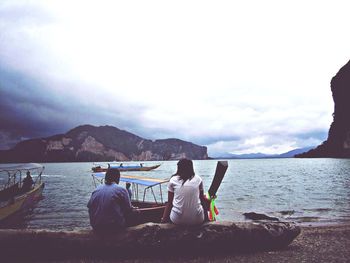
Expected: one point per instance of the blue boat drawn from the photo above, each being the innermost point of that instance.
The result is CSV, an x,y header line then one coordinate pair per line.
x,y
123,168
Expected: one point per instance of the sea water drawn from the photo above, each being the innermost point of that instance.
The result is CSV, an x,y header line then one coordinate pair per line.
x,y
307,191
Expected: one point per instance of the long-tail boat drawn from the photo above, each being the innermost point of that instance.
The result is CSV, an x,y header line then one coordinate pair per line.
x,y
151,206
15,196
149,210
123,168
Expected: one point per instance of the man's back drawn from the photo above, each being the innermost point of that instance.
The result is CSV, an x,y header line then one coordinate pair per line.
x,y
27,184
109,206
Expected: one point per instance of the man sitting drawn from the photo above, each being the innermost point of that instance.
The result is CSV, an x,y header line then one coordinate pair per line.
x,y
109,205
27,183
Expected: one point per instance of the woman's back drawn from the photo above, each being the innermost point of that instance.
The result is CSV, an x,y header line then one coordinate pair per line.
x,y
187,207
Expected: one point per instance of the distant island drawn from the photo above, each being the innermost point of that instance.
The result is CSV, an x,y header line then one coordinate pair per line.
x,y
89,143
289,154
337,144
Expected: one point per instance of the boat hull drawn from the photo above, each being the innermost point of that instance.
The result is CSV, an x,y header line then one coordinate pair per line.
x,y
147,212
20,203
129,169
11,207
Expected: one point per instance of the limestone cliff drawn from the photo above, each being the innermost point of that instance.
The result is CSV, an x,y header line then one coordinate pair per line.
x,y
104,143
338,142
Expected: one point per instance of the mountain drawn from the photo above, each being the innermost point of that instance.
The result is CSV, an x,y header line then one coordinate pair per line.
x,y
244,156
88,143
337,144
289,154
294,152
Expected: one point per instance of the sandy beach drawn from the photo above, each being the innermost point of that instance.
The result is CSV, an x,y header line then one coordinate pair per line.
x,y
315,244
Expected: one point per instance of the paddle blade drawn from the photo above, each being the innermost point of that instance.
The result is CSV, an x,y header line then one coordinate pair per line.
x,y
220,171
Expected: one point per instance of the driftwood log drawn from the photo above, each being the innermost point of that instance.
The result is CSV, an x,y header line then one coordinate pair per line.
x,y
148,239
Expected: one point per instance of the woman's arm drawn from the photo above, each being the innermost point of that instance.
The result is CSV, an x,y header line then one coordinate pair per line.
x,y
169,206
204,201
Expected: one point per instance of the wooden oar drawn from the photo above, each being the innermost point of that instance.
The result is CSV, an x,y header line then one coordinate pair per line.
x,y
220,171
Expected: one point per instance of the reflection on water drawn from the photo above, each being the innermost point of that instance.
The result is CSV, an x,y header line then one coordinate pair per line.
x,y
302,190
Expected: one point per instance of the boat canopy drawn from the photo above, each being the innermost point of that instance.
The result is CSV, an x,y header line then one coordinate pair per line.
x,y
140,180
20,167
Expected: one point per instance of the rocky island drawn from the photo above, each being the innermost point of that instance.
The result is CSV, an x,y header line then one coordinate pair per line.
x,y
337,144
89,143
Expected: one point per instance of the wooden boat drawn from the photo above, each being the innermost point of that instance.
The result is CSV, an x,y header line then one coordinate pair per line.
x,y
158,242
14,198
149,210
152,210
155,241
123,168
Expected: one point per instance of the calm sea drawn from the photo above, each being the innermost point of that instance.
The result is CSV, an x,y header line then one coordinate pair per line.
x,y
308,191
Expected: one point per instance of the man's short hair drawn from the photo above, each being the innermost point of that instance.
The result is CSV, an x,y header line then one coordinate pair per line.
x,y
112,175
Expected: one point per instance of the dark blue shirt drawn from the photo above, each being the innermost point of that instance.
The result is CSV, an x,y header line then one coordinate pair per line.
x,y
109,205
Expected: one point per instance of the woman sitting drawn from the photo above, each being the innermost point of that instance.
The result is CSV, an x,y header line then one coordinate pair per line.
x,y
185,193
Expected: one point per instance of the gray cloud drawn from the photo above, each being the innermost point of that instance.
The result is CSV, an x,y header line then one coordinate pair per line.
x,y
13,14
26,108
59,70
30,109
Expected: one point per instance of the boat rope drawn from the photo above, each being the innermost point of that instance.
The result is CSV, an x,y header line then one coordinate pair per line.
x,y
213,211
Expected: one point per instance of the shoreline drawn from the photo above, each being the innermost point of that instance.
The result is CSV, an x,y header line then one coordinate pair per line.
x,y
324,224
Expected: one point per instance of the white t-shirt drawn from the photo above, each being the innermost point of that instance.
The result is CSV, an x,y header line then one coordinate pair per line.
x,y
187,208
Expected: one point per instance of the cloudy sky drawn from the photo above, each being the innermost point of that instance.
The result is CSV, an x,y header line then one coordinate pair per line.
x,y
236,76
